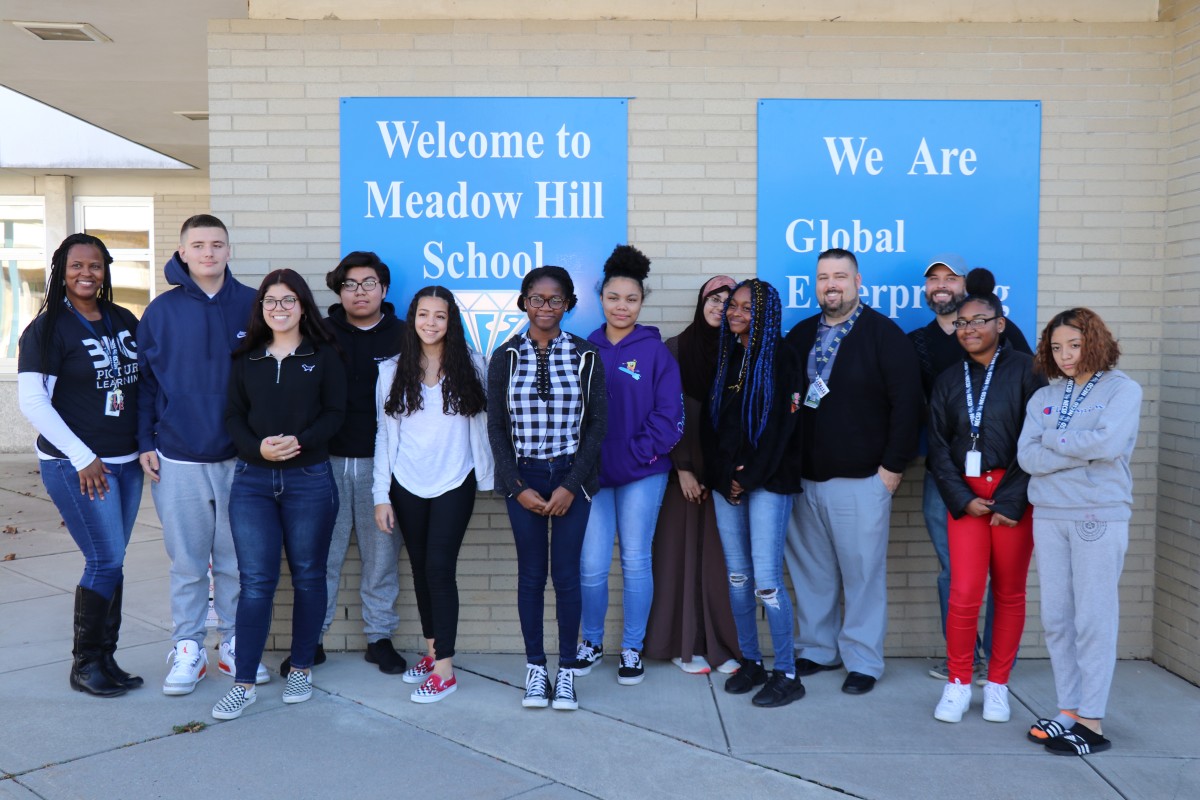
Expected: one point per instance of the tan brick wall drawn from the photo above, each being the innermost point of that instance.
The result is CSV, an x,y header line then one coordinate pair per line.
x,y
1106,96
1177,561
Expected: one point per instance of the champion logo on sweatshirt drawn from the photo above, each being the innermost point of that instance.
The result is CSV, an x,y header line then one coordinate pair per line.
x,y
630,368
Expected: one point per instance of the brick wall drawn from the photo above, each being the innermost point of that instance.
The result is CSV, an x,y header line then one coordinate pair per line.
x,y
170,210
274,86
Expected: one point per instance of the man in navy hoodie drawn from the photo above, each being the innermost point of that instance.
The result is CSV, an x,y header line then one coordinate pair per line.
x,y
185,340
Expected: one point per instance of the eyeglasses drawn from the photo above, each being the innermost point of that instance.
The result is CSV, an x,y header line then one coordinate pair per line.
x,y
974,324
537,301
286,303
368,285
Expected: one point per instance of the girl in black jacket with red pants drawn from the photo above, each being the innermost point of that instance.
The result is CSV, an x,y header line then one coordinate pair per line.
x,y
975,418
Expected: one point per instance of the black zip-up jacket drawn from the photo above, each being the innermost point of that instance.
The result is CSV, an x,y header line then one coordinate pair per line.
x,y
775,463
362,351
304,395
872,414
1013,383
585,470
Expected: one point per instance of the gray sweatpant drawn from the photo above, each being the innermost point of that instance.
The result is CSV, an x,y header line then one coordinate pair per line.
x,y
380,552
192,501
1079,568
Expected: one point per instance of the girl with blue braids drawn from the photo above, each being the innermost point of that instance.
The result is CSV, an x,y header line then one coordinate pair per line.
x,y
752,464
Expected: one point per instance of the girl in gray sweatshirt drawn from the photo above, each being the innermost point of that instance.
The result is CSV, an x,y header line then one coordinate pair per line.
x,y
1078,436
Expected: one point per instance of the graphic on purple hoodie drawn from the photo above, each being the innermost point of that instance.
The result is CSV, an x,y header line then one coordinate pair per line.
x,y
645,405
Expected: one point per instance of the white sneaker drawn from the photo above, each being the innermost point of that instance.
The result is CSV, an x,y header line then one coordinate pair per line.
x,y
234,702
190,663
730,666
995,702
697,666
956,699
227,662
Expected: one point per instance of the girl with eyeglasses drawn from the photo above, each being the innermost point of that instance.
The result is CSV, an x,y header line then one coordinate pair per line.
x,y
975,414
1076,444
547,416
287,400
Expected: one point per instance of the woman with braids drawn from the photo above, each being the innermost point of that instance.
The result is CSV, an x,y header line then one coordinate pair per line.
x,y
752,461
547,414
645,402
1076,443
77,384
975,413
690,620
287,399
431,454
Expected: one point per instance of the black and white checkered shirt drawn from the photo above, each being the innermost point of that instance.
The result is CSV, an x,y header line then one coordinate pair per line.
x,y
546,418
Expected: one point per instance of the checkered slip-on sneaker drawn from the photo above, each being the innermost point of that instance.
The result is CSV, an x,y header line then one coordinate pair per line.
x,y
234,702
299,687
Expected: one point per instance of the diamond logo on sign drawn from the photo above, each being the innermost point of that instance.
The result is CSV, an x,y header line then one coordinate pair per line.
x,y
490,318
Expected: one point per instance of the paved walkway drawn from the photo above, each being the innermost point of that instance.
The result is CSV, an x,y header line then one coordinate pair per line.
x,y
675,735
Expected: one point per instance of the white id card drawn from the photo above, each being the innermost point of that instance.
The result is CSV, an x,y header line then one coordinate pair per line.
x,y
974,464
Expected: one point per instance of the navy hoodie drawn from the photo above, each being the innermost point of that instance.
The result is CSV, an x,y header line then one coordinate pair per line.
x,y
362,350
645,405
185,342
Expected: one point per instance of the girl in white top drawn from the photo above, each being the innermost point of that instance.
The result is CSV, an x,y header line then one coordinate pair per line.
x,y
431,454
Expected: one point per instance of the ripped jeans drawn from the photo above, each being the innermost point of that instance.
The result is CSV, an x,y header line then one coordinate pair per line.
x,y
753,533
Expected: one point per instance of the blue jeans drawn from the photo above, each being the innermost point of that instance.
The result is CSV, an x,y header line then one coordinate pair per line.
x,y
934,510
753,533
100,528
633,510
532,535
270,509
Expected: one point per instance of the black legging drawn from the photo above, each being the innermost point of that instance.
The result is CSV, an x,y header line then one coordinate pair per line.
x,y
433,531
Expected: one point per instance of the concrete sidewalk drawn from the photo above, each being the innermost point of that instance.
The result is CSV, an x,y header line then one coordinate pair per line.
x,y
675,735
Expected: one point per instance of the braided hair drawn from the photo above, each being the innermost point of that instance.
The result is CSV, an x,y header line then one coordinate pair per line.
x,y
56,286
756,375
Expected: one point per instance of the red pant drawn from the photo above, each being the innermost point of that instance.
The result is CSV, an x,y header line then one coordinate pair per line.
x,y
975,547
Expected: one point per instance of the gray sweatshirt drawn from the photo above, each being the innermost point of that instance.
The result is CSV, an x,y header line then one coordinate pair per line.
x,y
1082,472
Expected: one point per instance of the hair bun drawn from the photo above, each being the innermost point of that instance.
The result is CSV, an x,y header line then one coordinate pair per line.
x,y
627,261
981,281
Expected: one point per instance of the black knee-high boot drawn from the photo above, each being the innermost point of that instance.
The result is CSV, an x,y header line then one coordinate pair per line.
x,y
112,631
87,671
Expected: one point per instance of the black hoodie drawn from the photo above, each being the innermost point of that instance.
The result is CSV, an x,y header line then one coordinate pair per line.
x,y
361,351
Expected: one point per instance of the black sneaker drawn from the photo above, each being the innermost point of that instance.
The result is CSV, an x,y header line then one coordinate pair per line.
x,y
286,666
806,667
749,675
537,692
779,691
564,690
631,671
384,654
587,655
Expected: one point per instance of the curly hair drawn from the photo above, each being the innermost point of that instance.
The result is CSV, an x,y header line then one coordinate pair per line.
x,y
756,376
259,334
627,261
1100,349
56,285
462,390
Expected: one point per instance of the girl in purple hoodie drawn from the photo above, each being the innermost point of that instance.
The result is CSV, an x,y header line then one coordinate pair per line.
x,y
645,421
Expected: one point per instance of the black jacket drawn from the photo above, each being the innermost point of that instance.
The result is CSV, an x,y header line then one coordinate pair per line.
x,y
1013,383
937,350
585,470
362,351
304,395
872,414
775,463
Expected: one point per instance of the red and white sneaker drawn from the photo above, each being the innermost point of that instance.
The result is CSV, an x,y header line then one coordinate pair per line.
x,y
433,689
419,671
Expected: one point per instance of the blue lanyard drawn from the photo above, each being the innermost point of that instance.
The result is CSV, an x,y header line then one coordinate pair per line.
x,y
824,355
1068,409
974,412
107,343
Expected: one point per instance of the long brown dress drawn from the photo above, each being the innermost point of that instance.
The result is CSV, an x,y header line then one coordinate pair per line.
x,y
690,615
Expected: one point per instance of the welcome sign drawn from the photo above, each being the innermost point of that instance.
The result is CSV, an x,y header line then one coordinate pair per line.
x,y
897,182
473,193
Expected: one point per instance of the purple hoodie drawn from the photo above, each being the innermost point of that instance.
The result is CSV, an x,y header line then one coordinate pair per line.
x,y
645,405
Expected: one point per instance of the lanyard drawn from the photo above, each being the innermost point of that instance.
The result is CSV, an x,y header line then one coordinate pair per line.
x,y
824,355
107,343
1068,409
975,412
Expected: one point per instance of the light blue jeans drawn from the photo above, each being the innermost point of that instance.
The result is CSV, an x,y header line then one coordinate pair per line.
x,y
631,509
753,533
935,513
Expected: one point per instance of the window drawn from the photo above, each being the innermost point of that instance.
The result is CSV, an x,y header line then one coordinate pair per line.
x,y
23,268
126,226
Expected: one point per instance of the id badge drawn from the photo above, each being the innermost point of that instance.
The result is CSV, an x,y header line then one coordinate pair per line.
x,y
114,403
813,398
974,466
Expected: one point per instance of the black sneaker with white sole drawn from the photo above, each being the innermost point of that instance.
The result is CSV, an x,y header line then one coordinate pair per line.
x,y
537,689
587,655
631,671
564,690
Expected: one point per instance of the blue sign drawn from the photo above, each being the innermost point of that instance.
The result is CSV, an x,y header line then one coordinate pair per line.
x,y
897,182
473,193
